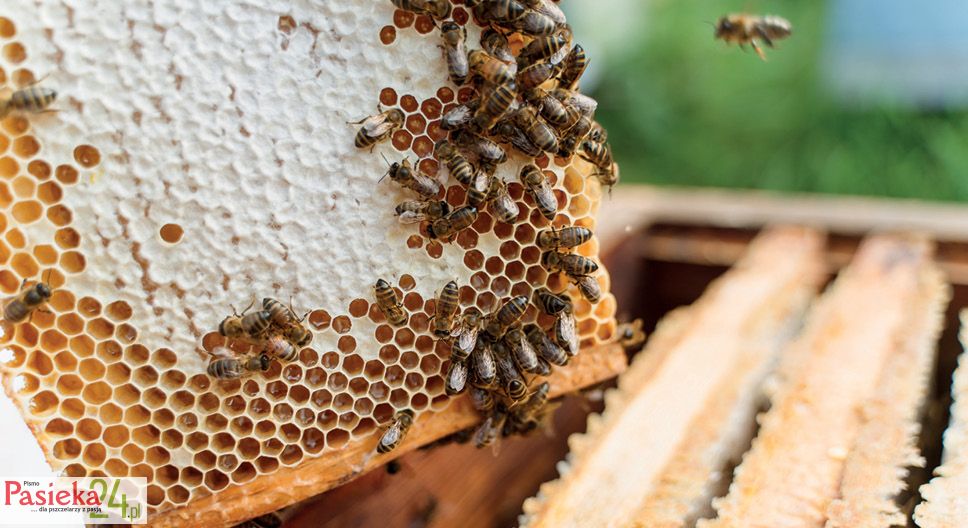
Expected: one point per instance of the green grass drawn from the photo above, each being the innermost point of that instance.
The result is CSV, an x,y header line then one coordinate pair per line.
x,y
682,109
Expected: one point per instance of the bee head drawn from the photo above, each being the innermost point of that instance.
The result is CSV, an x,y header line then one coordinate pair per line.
x,y
43,291
264,362
724,27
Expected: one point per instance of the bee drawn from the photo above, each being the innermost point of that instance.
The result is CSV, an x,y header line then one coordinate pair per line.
x,y
396,432
486,150
630,335
535,24
567,147
455,50
575,64
510,378
492,70
386,300
552,110
478,190
445,310
32,98
509,313
522,352
297,334
379,127
608,176
600,154
460,115
494,104
548,9
438,9
404,174
550,303
485,370
22,306
585,104
508,132
457,164
279,314
535,75
589,288
747,29
500,11
225,366
502,206
566,237
566,335
413,211
488,432
465,336
537,186
251,325
453,223
597,133
572,264
279,347
496,45
541,48
456,377
535,403
537,131
544,346
482,399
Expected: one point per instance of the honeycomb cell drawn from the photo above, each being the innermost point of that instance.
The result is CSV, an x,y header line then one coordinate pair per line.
x,y
26,147
94,455
67,449
43,403
172,439
163,418
145,376
480,281
424,343
500,286
59,427
59,215
66,174
423,146
404,337
389,354
45,254
445,94
87,156
154,397
435,249
73,262
88,429
187,422
91,369
214,479
413,381
265,429
388,34
171,233
23,187
166,475
8,167
419,401
388,96
326,419
215,422
110,414
38,168
363,406
24,265
394,376
75,470
487,302
403,19
196,441
401,140
109,352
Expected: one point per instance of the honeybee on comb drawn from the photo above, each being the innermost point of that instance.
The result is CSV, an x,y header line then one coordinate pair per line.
x,y
22,306
377,128
32,98
396,432
742,29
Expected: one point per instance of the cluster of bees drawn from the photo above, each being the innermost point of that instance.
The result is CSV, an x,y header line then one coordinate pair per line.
x,y
275,330
526,73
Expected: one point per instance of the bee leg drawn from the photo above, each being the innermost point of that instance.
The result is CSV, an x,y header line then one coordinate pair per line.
x,y
23,285
758,50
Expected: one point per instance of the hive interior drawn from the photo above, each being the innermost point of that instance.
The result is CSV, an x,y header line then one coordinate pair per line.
x,y
155,200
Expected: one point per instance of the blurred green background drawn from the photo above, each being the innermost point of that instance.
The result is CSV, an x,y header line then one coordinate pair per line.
x,y
683,109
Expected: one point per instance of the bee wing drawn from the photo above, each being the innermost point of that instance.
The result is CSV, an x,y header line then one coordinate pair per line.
x,y
379,130
222,352
391,435
467,339
567,334
411,217
372,124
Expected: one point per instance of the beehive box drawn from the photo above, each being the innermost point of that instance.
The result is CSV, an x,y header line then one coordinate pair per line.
x,y
201,159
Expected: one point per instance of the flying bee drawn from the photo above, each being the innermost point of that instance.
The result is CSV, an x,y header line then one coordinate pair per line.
x,y
582,102
494,104
32,98
545,347
457,164
508,132
445,309
487,151
386,300
600,154
548,9
537,186
482,359
404,174
535,75
502,206
589,288
496,45
251,325
488,432
570,263
597,133
22,306
280,348
509,313
456,377
535,24
460,115
566,237
566,335
379,127
482,399
455,50
413,211
550,303
552,110
478,190
747,29
630,335
524,355
541,48
396,432
492,70
575,64
511,380
466,333
453,223
537,131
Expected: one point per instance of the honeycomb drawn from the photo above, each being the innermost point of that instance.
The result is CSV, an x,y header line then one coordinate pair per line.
x,y
178,180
